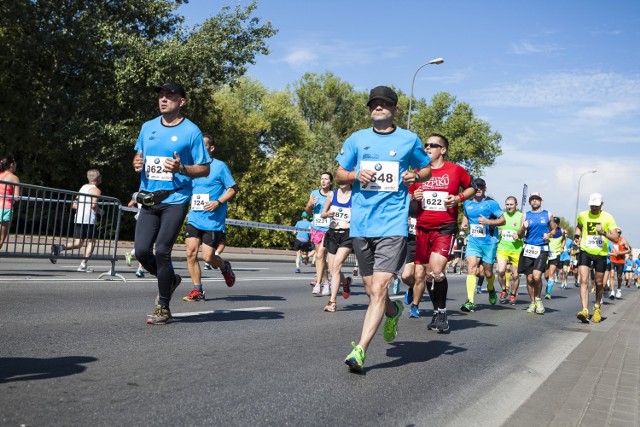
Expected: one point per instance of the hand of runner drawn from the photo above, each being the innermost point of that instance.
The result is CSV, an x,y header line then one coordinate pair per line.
x,y
365,176
409,178
417,195
138,162
173,165
451,200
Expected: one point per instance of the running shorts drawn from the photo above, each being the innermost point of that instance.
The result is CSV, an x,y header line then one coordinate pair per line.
x,y
598,262
209,238
380,254
486,252
428,242
335,239
512,257
317,236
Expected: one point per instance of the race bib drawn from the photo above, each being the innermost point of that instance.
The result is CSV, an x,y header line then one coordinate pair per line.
x,y
154,169
198,201
595,242
412,226
385,178
341,214
531,251
477,230
509,235
318,221
434,200
552,256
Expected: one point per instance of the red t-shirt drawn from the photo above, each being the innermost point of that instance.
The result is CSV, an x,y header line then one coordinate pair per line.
x,y
448,179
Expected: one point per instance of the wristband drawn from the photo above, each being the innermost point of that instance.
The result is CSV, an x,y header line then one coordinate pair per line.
x,y
416,176
461,195
183,170
357,171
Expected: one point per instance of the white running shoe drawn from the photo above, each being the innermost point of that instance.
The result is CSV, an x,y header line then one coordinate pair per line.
x,y
316,289
326,290
619,293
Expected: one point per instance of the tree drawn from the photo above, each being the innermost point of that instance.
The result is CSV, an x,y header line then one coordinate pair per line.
x,y
76,77
472,143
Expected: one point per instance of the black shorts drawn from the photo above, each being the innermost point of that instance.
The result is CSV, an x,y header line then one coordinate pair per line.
x,y
209,238
566,263
616,267
299,245
411,249
555,261
84,231
335,239
597,262
526,265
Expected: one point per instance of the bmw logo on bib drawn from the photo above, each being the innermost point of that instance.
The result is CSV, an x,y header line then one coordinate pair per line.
x,y
378,167
156,160
392,153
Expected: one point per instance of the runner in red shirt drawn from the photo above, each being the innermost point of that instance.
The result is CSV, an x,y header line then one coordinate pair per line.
x,y
436,228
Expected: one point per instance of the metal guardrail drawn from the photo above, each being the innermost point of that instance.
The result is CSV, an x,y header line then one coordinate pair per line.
x,y
42,217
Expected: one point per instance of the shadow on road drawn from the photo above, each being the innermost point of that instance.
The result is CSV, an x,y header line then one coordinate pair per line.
x,y
31,368
243,298
229,316
406,352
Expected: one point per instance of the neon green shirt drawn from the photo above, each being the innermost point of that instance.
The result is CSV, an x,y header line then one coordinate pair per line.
x,y
509,240
591,242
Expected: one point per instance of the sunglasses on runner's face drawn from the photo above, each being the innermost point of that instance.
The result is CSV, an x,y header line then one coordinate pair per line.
x,y
433,145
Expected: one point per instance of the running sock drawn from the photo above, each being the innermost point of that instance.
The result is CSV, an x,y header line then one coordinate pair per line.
x,y
480,281
432,295
471,286
198,287
507,280
440,292
549,285
490,281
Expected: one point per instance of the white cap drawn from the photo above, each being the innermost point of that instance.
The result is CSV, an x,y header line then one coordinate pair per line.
x,y
538,195
595,199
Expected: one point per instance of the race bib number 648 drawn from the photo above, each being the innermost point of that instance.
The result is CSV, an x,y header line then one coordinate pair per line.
x,y
385,178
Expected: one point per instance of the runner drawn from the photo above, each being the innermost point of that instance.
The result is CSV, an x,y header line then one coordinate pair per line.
x,y
377,161
170,151
617,257
436,228
319,227
509,249
483,216
337,241
302,245
636,272
575,254
8,194
628,270
537,228
206,222
595,226
565,261
458,251
556,243
409,271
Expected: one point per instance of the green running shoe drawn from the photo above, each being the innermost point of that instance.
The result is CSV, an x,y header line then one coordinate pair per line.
x,y
532,308
493,298
128,257
539,307
390,328
468,307
355,359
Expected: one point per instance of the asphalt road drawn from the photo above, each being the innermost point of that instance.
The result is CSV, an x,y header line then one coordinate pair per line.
x,y
75,350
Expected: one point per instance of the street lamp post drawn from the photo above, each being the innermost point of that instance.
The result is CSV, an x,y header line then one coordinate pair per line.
x,y
578,195
433,61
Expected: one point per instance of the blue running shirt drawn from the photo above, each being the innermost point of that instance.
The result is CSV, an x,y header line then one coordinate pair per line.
x,y
538,226
384,212
488,208
207,190
319,223
157,142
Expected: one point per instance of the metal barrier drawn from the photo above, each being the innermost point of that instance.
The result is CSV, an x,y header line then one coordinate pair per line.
x,y
42,217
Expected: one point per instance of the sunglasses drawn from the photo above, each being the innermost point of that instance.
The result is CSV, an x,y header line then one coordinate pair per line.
x,y
433,145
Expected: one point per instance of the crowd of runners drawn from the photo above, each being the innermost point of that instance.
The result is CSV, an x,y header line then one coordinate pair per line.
x,y
409,215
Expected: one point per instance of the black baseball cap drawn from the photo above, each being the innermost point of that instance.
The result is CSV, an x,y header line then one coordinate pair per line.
x,y
383,92
480,182
171,87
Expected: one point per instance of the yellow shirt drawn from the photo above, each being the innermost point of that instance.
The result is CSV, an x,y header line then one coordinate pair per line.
x,y
591,242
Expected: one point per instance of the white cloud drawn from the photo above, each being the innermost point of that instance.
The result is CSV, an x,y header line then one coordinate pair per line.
x,y
608,110
303,57
528,48
561,89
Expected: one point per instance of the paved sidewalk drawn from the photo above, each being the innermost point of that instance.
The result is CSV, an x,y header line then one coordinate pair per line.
x,y
599,382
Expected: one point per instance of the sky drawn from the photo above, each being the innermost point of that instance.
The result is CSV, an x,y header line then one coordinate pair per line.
x,y
560,81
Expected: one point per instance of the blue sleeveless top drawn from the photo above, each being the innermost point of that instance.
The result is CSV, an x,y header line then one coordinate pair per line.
x,y
538,225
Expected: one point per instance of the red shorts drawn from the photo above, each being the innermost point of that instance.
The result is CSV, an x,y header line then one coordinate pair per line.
x,y
432,241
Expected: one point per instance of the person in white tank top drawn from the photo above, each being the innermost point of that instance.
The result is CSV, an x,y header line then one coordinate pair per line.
x,y
85,219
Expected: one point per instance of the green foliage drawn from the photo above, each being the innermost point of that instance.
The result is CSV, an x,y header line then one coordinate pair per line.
x,y
472,144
